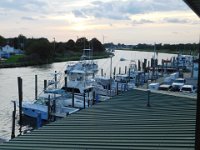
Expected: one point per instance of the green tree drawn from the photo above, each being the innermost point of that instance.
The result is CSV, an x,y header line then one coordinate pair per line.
x,y
70,45
2,41
60,47
96,45
41,47
81,43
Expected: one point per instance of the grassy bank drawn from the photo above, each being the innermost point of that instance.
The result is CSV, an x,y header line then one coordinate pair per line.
x,y
13,61
76,56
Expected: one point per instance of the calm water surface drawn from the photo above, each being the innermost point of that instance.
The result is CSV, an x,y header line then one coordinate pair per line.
x,y
8,79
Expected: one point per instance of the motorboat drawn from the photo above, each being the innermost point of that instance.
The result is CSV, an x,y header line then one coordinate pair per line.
x,y
46,101
104,86
80,76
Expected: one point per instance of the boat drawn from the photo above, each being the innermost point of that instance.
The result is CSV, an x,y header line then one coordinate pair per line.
x,y
104,86
80,76
55,101
123,82
85,64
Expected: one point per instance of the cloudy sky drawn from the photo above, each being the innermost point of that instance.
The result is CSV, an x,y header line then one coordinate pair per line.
x,y
118,21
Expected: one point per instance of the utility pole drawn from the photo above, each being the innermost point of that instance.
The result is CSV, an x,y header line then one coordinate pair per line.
x,y
54,46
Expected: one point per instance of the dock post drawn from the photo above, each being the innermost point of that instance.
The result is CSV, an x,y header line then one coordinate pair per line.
x,y
84,99
119,70
45,85
125,69
114,73
20,93
65,81
13,121
162,67
129,74
55,79
139,65
145,65
49,108
54,109
117,89
88,98
73,97
36,87
93,98
148,98
101,72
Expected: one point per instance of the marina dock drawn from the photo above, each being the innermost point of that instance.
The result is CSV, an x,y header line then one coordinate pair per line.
x,y
123,122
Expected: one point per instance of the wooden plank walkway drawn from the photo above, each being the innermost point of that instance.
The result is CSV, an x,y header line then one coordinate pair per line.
x,y
123,122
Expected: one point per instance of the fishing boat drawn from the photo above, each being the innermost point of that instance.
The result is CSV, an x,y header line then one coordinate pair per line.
x,y
80,76
55,101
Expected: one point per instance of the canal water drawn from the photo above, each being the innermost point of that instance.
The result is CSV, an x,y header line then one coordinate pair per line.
x,y
8,80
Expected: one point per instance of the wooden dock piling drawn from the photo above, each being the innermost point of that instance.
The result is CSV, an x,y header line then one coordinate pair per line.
x,y
36,87
65,81
84,99
45,85
20,93
13,121
73,97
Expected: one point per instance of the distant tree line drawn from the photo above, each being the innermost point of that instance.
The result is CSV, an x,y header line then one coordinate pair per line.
x,y
172,47
160,47
42,49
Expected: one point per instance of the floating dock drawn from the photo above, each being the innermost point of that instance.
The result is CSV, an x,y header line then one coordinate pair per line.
x,y
123,122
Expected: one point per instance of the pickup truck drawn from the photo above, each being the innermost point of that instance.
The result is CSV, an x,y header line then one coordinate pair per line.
x,y
177,84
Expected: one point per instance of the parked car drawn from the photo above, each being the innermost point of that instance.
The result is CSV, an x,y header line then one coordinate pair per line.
x,y
165,87
153,86
188,88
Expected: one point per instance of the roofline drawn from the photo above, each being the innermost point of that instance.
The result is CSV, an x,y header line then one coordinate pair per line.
x,y
194,7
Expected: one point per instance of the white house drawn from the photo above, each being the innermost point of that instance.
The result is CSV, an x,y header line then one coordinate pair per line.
x,y
8,49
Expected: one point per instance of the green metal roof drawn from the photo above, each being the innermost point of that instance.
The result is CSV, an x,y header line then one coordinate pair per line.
x,y
123,122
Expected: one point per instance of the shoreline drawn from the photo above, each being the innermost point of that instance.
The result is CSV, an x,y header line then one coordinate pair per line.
x,y
58,59
158,51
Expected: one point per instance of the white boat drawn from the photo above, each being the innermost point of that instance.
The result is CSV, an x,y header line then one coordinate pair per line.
x,y
62,106
123,82
104,86
85,64
80,76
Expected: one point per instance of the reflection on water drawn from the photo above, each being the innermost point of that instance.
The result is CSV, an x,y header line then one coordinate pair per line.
x,y
8,78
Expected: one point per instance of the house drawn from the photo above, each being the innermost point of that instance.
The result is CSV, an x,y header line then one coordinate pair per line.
x,y
8,49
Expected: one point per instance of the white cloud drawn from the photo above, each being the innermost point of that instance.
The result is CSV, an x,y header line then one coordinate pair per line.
x,y
121,10
24,5
65,19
